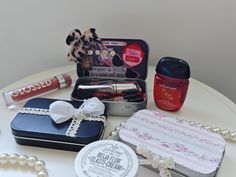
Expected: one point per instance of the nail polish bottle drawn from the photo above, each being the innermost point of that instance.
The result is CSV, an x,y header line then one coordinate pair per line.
x,y
171,83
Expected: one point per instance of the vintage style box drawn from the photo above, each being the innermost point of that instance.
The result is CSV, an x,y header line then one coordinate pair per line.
x,y
33,126
196,151
115,72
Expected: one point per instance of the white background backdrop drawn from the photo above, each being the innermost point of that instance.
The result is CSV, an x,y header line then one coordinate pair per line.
x,y
32,34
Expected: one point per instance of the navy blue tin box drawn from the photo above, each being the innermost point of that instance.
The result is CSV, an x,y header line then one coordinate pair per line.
x,y
41,131
121,63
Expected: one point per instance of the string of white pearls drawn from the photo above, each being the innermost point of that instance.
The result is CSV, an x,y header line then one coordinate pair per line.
x,y
38,165
114,134
226,134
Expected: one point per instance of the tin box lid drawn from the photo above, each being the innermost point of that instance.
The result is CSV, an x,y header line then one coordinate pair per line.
x,y
194,148
117,58
106,158
43,127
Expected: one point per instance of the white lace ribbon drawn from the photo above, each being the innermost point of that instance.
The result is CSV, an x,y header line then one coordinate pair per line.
x,y
61,111
160,163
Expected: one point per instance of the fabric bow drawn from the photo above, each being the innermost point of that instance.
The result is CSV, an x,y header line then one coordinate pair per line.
x,y
162,164
92,109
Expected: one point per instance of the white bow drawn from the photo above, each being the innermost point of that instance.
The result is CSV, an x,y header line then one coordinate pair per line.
x,y
162,164
61,111
92,110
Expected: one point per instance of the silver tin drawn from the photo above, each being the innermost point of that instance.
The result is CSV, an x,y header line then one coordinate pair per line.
x,y
196,151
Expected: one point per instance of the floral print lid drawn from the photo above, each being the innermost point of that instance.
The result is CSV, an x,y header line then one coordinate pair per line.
x,y
197,150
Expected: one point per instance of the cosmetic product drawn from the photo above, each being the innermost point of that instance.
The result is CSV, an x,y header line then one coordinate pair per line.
x,y
110,90
32,90
106,158
171,83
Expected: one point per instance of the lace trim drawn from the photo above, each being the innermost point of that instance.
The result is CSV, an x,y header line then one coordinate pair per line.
x,y
75,123
37,111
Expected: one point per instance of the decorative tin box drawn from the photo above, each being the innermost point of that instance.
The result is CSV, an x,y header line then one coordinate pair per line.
x,y
33,126
115,73
196,152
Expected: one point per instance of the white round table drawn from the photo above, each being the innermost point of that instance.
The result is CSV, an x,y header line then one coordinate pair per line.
x,y
203,104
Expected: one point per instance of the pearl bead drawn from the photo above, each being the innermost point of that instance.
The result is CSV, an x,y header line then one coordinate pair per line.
x,y
22,159
117,129
13,158
113,134
42,174
207,127
191,123
122,124
216,130
199,125
4,158
225,134
32,160
39,165
233,136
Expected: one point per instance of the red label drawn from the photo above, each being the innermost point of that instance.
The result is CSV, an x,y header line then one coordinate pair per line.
x,y
168,97
133,55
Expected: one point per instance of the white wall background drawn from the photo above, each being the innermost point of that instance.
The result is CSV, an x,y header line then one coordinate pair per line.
x,y
33,32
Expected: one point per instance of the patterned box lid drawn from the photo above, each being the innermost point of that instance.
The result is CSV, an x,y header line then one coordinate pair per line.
x,y
193,148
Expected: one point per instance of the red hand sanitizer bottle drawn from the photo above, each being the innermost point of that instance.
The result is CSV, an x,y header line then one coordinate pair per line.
x,y
171,83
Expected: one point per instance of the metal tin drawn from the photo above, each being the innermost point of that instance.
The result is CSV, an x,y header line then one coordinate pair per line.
x,y
119,60
106,158
196,151
39,129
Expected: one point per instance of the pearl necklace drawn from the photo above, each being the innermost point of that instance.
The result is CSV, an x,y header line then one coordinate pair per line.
x,y
226,134
33,162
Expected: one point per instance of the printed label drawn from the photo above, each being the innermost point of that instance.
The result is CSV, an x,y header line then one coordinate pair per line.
x,y
168,97
133,55
99,71
107,160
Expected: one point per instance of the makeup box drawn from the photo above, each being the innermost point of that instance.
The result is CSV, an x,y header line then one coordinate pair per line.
x,y
196,151
33,126
115,73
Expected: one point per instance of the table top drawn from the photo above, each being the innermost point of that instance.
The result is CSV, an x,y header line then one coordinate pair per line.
x,y
203,104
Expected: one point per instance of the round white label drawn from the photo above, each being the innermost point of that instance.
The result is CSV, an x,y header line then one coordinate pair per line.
x,y
106,158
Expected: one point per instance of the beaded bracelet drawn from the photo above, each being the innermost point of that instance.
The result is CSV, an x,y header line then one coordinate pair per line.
x,y
38,165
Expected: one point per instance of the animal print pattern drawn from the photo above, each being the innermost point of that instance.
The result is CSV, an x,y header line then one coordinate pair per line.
x,y
81,43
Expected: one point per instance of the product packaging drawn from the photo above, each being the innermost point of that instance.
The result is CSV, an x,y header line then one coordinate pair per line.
x,y
106,158
33,90
115,72
171,83
34,126
196,151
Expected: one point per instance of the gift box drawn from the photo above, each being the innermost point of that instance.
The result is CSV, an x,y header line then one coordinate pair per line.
x,y
33,126
115,72
196,151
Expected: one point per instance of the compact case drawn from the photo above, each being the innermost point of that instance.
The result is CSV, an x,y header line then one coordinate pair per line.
x,y
33,126
115,73
196,151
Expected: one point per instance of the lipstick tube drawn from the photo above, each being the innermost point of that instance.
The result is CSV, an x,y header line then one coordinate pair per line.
x,y
18,95
108,90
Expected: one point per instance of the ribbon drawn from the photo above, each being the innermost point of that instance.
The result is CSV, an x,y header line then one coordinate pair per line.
x,y
160,163
92,110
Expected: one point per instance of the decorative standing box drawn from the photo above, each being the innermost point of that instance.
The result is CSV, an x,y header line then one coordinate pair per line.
x,y
33,126
196,151
115,73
